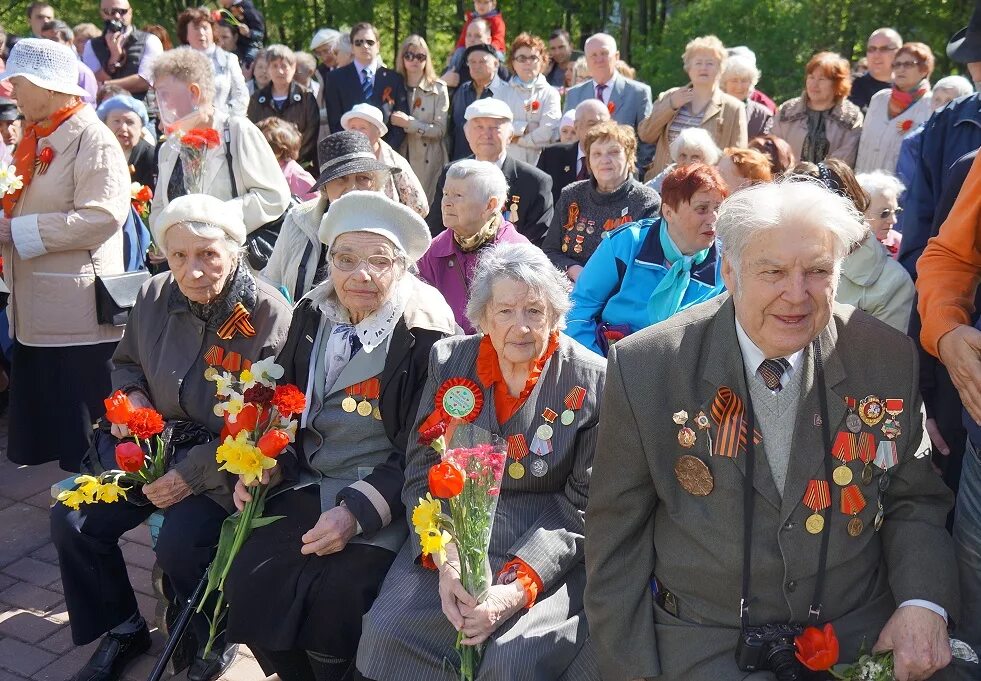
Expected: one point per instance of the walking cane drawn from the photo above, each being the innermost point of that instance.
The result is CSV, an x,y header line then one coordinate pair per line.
x,y
177,631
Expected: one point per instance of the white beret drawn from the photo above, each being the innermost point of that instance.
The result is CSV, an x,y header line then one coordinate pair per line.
x,y
488,107
201,208
323,37
367,112
373,212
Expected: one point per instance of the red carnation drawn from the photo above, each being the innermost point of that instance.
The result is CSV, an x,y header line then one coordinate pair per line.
x,y
46,156
428,436
536,105
145,423
611,107
288,400
904,126
817,649
129,457
145,194
201,138
273,443
445,480
416,104
259,394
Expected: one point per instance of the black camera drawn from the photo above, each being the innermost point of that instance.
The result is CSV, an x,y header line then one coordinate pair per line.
x,y
770,647
114,26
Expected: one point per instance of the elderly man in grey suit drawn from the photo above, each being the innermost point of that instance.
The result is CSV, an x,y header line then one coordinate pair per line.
x,y
628,101
829,512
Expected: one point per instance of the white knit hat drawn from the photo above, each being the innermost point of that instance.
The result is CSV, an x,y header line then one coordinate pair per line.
x,y
226,215
367,112
361,211
45,63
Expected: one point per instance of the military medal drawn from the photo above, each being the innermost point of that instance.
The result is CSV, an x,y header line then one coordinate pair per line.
x,y
890,427
680,417
870,410
517,450
852,503
516,470
545,430
513,214
845,449
817,497
539,468
693,475
686,436
880,515
573,403
886,455
852,421
866,452
349,404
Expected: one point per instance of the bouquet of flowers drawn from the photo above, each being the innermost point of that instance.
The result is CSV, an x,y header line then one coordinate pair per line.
x,y
193,146
469,478
140,196
259,425
10,181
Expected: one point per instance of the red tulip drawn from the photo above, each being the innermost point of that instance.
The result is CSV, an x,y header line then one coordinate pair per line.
x,y
244,420
445,480
118,408
129,457
273,443
817,649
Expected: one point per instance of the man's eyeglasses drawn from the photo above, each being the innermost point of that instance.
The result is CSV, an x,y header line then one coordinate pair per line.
x,y
115,11
364,42
872,49
905,64
886,212
348,262
413,56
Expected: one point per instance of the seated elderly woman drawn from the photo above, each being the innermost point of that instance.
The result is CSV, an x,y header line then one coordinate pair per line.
x,y
359,348
870,279
883,212
699,104
525,372
175,333
127,117
298,260
587,210
739,79
473,195
402,186
648,270
254,186
742,168
692,145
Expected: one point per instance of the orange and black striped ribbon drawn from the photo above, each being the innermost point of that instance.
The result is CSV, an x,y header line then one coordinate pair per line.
x,y
237,322
818,495
727,412
866,447
517,446
845,448
852,500
215,356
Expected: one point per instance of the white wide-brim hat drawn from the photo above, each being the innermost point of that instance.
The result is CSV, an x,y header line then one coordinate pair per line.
x,y
373,212
370,113
226,215
45,63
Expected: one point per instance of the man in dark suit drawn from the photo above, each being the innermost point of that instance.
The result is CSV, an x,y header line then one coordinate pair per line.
x,y
529,206
717,427
365,80
566,163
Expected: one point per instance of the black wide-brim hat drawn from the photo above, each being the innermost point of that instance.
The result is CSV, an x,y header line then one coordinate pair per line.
x,y
345,153
965,46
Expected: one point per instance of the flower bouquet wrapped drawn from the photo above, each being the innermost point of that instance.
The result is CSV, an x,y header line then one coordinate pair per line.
x,y
140,196
193,146
258,426
468,477
10,181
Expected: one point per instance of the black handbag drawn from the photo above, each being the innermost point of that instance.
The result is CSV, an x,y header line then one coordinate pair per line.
x,y
115,296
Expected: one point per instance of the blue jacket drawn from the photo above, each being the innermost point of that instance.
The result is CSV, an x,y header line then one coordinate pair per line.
x,y
949,134
619,278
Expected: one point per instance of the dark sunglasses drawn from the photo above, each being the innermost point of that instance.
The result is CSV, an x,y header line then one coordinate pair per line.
x,y
364,42
415,56
886,212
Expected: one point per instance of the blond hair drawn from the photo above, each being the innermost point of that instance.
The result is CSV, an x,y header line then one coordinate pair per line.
x,y
705,43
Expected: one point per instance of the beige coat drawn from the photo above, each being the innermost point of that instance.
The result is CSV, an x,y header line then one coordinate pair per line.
x,y
724,119
843,128
262,190
425,145
872,281
67,229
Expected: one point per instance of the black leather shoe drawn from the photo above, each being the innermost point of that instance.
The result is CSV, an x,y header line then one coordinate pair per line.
x,y
115,651
212,666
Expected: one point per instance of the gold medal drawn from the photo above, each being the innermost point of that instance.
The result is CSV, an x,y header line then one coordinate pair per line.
x,y
516,470
871,410
855,527
364,408
349,404
376,414
694,476
686,437
814,523
842,475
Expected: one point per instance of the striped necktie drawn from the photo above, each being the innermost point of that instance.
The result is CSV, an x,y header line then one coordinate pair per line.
x,y
770,372
366,85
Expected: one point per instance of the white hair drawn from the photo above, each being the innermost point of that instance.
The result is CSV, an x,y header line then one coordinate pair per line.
x,y
879,182
698,139
958,84
739,65
790,202
742,51
206,230
602,37
525,263
484,178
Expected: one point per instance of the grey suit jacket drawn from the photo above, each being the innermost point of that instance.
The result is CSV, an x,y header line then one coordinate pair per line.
x,y
641,521
631,101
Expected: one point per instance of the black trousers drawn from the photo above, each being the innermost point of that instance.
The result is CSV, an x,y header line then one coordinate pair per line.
x,y
98,593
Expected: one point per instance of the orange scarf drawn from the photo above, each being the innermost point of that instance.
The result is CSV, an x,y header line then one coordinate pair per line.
x,y
489,373
26,152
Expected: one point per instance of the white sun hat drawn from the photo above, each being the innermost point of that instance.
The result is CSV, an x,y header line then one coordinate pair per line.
x,y
366,112
45,63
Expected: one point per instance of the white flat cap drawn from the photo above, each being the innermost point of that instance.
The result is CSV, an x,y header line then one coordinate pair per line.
x,y
488,107
374,212
201,208
367,112
323,37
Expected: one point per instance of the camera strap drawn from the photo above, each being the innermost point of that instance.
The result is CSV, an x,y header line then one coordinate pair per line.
x,y
814,612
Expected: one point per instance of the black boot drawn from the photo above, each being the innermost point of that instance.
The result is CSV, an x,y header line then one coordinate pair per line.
x,y
214,665
113,654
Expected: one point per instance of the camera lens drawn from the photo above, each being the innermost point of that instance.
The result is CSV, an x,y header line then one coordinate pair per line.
x,y
783,661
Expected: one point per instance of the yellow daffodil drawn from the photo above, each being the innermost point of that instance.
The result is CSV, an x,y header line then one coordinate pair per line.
x,y
425,514
434,543
110,492
71,498
224,382
85,493
239,456
232,407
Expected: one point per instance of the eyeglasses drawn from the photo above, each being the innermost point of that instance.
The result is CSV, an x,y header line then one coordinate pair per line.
x,y
115,11
413,56
348,262
886,212
872,49
527,59
364,42
905,64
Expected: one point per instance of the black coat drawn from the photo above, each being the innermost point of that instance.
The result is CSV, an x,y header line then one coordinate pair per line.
x,y
528,187
301,109
342,90
559,162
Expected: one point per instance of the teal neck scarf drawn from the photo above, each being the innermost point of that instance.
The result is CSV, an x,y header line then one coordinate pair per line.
x,y
667,296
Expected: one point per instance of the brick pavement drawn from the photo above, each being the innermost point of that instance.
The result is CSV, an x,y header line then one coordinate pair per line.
x,y
35,640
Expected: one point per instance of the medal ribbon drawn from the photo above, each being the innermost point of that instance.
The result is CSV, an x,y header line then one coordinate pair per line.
x,y
214,356
233,362
851,403
885,455
852,500
866,447
894,407
575,398
239,322
845,448
818,495
370,389
572,215
549,414
727,412
517,446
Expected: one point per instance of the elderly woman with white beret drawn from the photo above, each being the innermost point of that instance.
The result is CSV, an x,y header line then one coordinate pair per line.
x,y
184,321
359,349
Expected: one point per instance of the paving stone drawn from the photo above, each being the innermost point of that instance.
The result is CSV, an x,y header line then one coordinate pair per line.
x,y
140,579
138,555
25,529
27,626
6,581
60,642
5,502
65,666
139,534
58,614
42,499
10,676
48,553
30,597
56,586
244,668
22,658
33,571
21,482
